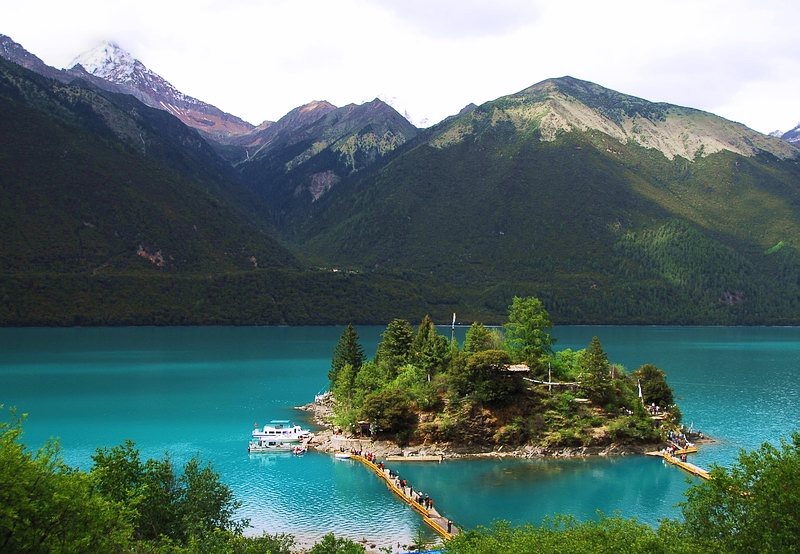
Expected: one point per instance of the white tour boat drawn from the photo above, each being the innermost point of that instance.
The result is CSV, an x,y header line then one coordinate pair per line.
x,y
257,446
280,430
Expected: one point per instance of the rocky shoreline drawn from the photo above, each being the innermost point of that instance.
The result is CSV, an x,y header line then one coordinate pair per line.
x,y
329,441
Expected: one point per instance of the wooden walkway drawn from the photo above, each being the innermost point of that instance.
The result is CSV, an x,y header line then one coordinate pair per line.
x,y
686,466
443,526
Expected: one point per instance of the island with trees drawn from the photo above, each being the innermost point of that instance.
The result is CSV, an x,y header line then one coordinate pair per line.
x,y
504,390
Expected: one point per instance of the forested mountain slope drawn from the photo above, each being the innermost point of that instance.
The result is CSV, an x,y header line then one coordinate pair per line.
x,y
609,206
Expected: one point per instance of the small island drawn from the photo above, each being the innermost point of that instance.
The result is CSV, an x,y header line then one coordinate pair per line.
x,y
503,392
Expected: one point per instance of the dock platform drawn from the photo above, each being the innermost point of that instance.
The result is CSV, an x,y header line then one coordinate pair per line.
x,y
414,458
686,466
444,527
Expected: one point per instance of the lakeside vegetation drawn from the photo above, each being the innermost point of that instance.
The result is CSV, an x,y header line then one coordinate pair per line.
x,y
500,388
124,504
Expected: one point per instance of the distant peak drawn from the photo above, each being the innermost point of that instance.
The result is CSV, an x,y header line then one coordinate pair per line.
x,y
316,105
105,59
569,84
468,108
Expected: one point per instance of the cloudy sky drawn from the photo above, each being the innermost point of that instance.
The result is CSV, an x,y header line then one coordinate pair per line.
x,y
258,59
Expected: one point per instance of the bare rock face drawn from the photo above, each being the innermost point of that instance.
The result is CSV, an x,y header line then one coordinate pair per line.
x,y
321,183
567,104
153,256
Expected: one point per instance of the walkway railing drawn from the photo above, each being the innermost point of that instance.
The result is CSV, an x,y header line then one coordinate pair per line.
x,y
686,466
440,524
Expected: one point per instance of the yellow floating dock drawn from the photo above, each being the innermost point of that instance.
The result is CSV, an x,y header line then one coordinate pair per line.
x,y
680,450
443,526
686,466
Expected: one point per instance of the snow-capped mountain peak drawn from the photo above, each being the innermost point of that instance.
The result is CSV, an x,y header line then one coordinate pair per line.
x,y
108,61
113,64
792,136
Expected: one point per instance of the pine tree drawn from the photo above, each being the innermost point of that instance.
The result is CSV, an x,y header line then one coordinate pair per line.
x,y
421,336
347,351
478,339
394,351
597,377
429,350
655,389
528,329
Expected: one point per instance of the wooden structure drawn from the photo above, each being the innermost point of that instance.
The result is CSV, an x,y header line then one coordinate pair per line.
x,y
686,466
441,525
437,458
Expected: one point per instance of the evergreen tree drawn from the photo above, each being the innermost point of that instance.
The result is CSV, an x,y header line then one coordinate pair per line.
x,y
344,387
655,389
597,377
478,339
528,330
429,349
394,350
421,336
347,351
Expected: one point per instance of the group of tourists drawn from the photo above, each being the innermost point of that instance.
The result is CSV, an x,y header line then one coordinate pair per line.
x,y
678,439
423,500
420,498
672,449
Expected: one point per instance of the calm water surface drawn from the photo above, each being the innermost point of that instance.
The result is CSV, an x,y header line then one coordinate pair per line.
x,y
198,391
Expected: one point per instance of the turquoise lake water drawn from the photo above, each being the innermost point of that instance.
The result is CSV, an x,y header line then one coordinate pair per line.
x,y
198,391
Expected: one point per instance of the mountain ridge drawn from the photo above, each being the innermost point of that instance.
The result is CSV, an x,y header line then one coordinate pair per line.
x,y
792,135
115,65
610,208
317,146
556,196
558,105
109,184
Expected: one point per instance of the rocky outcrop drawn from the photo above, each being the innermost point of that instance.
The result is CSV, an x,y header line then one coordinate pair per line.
x,y
332,440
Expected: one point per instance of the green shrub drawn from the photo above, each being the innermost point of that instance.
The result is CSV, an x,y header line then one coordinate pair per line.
x,y
632,428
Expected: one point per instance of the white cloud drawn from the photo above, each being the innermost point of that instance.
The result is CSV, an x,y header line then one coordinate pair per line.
x,y
259,59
